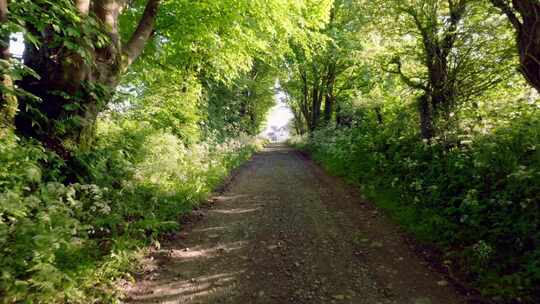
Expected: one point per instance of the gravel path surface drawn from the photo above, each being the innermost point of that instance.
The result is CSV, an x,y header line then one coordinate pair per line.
x,y
285,232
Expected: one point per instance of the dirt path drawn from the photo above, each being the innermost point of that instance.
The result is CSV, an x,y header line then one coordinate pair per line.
x,y
285,232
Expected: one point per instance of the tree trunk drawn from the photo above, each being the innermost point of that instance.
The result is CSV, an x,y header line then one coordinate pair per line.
x,y
426,117
378,114
442,91
329,96
316,106
527,35
529,41
439,92
57,120
73,89
338,114
304,107
328,108
8,101
438,74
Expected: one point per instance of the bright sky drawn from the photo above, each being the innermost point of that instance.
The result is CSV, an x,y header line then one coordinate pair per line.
x,y
16,45
278,119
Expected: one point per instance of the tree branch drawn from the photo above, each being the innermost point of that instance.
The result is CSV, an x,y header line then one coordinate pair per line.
x,y
408,81
134,47
457,10
507,10
423,30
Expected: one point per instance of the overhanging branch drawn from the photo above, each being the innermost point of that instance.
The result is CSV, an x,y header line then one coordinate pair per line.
x,y
407,80
508,11
134,47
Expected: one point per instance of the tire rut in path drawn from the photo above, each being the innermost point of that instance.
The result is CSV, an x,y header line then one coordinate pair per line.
x,y
285,232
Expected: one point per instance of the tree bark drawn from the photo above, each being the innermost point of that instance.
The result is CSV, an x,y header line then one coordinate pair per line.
x,y
442,88
329,96
8,101
527,35
304,107
426,117
379,115
144,30
328,107
338,115
316,106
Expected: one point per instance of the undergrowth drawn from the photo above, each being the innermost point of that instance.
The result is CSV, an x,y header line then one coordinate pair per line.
x,y
477,198
70,242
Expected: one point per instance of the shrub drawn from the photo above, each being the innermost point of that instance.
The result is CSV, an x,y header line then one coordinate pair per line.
x,y
477,198
70,242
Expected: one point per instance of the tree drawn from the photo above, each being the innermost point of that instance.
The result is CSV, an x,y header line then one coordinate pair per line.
x,y
79,60
524,15
240,107
80,49
321,73
444,59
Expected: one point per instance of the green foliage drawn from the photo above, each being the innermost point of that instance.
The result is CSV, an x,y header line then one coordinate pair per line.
x,y
65,26
477,199
472,188
241,107
326,68
70,243
355,73
182,117
220,40
167,99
